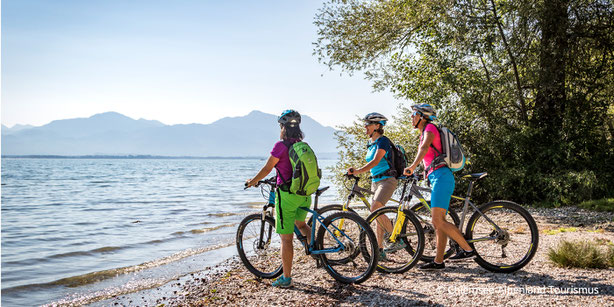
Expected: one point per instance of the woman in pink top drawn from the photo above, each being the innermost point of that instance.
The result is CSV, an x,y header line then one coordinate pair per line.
x,y
442,182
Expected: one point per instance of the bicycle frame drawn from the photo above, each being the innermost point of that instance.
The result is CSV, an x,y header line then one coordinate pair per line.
x,y
310,248
401,214
414,190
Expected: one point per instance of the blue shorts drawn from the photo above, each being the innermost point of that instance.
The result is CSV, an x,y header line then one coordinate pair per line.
x,y
442,183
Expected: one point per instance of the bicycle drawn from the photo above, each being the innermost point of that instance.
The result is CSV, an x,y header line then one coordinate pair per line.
x,y
493,226
483,234
336,247
400,234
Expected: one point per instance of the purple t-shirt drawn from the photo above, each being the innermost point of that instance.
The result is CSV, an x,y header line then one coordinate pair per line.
x,y
284,167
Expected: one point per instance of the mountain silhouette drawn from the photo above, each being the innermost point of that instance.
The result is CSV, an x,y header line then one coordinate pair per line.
x,y
112,133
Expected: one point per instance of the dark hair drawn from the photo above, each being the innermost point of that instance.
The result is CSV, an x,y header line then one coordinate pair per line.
x,y
380,130
288,132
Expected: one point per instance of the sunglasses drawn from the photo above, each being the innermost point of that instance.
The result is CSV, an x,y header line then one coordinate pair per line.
x,y
415,113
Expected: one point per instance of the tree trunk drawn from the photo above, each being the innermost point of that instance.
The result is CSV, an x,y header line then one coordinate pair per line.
x,y
551,99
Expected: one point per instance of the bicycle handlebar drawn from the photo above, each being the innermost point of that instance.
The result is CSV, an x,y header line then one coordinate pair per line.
x,y
271,181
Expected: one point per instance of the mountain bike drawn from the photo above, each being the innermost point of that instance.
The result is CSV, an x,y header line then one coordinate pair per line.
x,y
399,232
344,244
503,233
506,227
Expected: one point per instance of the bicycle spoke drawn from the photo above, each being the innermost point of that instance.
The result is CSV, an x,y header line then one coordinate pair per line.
x,y
400,255
353,259
507,247
261,257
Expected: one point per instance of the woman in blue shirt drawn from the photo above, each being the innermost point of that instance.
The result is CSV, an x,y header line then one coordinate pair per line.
x,y
383,179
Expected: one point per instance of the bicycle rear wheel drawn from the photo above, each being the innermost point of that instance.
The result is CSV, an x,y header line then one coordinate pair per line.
x,y
402,255
259,246
353,247
512,247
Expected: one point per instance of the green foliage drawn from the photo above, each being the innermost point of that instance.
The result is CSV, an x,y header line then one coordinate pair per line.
x,y
605,204
579,255
560,230
610,256
528,86
352,145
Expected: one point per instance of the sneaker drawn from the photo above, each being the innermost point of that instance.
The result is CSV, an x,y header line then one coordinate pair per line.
x,y
382,255
462,254
432,266
282,282
398,245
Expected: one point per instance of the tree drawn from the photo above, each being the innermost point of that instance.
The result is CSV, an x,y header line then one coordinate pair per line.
x,y
527,85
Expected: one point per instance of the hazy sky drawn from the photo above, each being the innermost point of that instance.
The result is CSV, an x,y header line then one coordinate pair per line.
x,y
174,61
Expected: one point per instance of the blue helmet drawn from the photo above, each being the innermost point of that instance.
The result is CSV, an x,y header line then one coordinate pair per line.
x,y
289,118
426,110
375,118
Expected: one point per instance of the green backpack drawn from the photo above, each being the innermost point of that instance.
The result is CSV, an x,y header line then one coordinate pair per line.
x,y
306,174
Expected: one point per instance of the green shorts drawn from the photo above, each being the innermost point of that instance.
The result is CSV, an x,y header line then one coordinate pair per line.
x,y
287,210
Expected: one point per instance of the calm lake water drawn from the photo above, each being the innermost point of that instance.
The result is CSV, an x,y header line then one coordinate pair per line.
x,y
85,230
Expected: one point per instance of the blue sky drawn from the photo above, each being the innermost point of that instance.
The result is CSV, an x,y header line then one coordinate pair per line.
x,y
175,61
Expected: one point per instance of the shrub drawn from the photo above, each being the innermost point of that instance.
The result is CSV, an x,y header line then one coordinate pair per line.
x,y
610,256
604,204
579,255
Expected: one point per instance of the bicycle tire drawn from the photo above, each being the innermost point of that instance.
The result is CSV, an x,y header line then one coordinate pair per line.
x,y
269,234
482,259
414,249
367,244
430,237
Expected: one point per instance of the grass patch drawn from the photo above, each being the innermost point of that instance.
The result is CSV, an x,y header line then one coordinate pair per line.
x,y
581,254
603,241
559,230
604,204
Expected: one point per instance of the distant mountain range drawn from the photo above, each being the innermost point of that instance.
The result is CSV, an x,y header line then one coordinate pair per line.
x,y
112,133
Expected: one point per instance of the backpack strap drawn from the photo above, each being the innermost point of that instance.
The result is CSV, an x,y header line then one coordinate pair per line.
x,y
432,146
389,158
285,186
437,161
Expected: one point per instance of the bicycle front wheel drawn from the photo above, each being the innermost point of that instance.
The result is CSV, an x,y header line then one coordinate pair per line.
x,y
402,255
259,246
512,246
430,247
350,245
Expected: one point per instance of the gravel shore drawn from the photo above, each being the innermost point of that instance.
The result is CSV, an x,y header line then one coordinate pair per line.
x,y
462,283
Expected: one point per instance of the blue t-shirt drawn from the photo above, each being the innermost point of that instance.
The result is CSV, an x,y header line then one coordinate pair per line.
x,y
381,143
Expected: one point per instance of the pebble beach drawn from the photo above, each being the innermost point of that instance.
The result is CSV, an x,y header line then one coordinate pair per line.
x,y
461,283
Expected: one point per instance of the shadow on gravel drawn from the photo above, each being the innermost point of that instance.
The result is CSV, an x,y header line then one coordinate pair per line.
x,y
369,295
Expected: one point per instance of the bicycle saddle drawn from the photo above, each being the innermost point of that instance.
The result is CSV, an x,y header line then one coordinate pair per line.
x,y
476,176
321,190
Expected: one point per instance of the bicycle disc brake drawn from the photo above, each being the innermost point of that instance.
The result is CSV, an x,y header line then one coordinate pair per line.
x,y
503,238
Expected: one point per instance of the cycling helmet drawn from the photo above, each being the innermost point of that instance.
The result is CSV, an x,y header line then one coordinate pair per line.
x,y
426,110
375,118
289,118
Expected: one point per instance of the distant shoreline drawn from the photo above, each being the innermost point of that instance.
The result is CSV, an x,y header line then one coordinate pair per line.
x,y
135,157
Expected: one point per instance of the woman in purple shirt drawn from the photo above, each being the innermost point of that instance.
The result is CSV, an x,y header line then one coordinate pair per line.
x,y
287,205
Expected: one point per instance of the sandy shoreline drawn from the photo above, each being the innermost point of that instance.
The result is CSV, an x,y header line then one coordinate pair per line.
x,y
462,283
